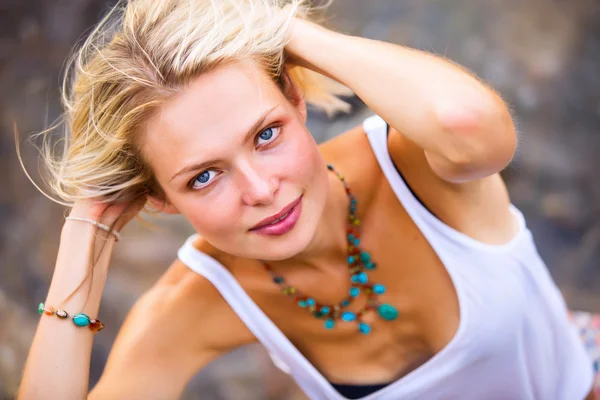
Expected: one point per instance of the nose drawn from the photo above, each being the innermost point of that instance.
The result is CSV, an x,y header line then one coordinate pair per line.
x,y
258,186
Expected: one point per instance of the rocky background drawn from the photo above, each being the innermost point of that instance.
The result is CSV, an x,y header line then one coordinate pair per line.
x,y
543,56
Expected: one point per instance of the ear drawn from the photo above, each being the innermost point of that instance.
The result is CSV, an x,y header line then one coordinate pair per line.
x,y
163,205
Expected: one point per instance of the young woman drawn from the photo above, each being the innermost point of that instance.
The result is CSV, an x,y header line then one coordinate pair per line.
x,y
387,263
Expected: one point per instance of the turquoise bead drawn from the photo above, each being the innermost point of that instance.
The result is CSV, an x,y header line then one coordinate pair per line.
x,y
348,316
364,328
378,288
310,301
362,277
41,308
358,276
302,303
81,320
387,312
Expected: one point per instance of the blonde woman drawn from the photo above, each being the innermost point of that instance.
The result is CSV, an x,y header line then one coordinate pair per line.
x,y
387,263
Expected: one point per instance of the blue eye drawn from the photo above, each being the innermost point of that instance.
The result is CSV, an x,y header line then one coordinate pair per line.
x,y
203,179
268,135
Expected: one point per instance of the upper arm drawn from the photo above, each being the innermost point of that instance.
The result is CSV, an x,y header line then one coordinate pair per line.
x,y
169,335
477,208
417,169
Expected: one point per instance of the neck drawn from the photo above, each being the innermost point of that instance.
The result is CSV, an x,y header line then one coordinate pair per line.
x,y
329,244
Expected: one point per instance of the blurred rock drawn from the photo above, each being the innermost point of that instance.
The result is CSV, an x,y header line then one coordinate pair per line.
x,y
543,57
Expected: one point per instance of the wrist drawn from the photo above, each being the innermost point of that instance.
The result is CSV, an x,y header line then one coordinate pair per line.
x,y
98,212
316,48
99,225
113,215
81,267
85,233
305,39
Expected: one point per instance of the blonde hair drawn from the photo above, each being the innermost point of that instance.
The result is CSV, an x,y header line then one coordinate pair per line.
x,y
141,54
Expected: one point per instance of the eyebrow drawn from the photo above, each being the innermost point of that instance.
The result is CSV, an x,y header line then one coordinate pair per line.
x,y
250,133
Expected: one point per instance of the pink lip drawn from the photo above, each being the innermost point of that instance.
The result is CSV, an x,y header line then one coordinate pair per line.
x,y
283,226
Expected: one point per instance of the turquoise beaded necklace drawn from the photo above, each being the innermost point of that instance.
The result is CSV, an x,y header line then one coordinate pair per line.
x,y
359,262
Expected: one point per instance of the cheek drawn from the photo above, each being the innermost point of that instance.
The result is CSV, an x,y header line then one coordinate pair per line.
x,y
209,220
305,169
301,162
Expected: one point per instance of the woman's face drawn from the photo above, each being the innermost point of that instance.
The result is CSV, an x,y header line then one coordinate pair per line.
x,y
233,154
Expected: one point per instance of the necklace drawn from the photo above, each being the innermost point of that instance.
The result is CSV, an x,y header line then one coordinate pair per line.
x,y
359,262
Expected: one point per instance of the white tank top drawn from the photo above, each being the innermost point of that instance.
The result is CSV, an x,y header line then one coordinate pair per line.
x,y
514,339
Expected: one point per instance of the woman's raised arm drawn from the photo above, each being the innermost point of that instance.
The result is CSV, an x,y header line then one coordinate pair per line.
x,y
59,359
175,329
463,126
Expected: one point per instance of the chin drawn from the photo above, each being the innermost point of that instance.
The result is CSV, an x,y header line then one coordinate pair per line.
x,y
295,244
296,241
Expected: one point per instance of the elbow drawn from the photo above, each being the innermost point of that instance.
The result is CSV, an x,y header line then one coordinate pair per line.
x,y
480,136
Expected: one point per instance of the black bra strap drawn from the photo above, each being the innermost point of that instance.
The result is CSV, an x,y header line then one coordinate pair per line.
x,y
387,129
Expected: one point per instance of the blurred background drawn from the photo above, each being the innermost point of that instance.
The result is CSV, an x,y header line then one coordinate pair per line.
x,y
543,56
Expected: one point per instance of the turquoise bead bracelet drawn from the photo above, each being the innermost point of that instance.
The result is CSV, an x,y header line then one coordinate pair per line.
x,y
80,319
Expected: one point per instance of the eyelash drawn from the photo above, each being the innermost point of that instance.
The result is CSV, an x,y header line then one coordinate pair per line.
x,y
276,128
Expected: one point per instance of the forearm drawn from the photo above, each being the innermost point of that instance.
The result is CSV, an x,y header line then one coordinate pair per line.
x,y
435,103
59,359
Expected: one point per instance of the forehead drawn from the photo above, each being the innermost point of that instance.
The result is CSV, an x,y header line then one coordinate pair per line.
x,y
215,109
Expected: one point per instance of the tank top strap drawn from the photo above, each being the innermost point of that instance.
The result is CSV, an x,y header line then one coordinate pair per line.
x,y
281,350
438,233
252,316
377,132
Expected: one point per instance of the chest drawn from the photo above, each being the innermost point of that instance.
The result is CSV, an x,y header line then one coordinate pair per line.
x,y
417,285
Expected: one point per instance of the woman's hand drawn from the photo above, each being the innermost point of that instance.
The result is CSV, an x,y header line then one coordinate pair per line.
x,y
302,34
108,213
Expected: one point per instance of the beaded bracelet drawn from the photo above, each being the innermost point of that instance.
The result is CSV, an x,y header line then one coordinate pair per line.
x,y
79,319
97,224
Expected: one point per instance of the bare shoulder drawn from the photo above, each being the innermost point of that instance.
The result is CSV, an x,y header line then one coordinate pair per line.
x,y
185,307
180,325
479,209
352,156
214,324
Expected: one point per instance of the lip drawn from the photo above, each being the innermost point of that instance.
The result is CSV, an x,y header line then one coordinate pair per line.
x,y
275,217
266,226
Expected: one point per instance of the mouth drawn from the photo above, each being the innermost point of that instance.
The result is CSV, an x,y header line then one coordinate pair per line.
x,y
282,222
